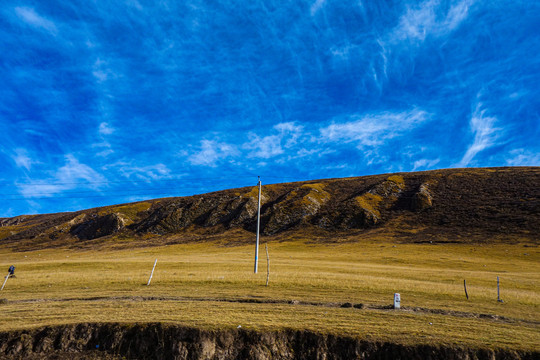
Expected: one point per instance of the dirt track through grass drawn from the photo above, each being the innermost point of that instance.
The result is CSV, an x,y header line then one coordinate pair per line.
x,y
367,307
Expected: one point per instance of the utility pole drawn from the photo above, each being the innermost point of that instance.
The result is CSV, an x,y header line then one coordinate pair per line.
x,y
258,226
5,281
152,273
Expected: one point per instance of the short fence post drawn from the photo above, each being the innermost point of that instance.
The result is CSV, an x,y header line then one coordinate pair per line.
x,y
465,286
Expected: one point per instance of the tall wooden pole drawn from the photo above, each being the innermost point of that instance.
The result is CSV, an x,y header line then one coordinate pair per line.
x,y
267,264
5,281
152,273
258,226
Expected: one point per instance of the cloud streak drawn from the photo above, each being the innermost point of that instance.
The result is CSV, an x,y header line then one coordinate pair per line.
x,y
211,152
71,175
523,157
22,159
485,134
430,18
270,146
316,6
146,173
105,129
32,18
373,129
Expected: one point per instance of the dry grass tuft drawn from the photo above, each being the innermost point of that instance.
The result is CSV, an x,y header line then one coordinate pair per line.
x,y
398,179
370,202
128,210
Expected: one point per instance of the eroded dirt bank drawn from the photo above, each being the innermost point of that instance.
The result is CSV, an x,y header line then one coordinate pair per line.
x,y
158,341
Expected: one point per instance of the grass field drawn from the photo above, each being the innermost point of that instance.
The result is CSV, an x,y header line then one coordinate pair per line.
x,y
211,285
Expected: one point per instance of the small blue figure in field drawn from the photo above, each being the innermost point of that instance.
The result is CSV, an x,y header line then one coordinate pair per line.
x,y
11,271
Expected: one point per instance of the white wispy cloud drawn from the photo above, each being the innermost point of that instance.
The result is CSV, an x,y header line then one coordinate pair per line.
x,y
135,4
290,132
523,157
144,173
105,129
74,170
457,14
264,147
31,17
103,71
484,131
430,18
284,136
211,152
71,175
22,159
288,127
424,164
269,146
106,146
316,6
391,53
342,52
373,129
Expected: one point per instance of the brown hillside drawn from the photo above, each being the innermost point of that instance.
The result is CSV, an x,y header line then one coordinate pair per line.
x,y
461,205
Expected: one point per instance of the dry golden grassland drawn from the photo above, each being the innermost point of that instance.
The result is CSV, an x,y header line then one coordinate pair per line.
x,y
210,285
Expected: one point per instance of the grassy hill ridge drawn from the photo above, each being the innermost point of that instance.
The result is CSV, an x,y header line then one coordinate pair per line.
x,y
457,205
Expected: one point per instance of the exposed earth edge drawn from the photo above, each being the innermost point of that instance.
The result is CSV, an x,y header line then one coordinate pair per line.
x,y
166,341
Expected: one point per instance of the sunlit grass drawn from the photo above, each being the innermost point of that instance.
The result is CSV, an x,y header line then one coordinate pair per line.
x,y
191,281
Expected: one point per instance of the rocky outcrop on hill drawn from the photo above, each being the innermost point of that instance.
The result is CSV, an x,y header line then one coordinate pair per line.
x,y
173,216
298,205
13,221
158,341
98,226
422,199
454,204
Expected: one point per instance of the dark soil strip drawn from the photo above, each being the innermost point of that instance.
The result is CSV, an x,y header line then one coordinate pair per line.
x,y
167,341
292,302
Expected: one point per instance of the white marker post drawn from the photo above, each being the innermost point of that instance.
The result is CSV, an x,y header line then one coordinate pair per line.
x,y
152,273
4,284
397,301
258,226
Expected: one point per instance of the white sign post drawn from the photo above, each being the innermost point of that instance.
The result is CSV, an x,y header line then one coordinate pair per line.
x,y
397,301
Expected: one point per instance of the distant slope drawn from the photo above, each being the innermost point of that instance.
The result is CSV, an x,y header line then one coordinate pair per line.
x,y
461,205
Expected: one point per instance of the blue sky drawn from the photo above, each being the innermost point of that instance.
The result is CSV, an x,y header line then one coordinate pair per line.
x,y
106,102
